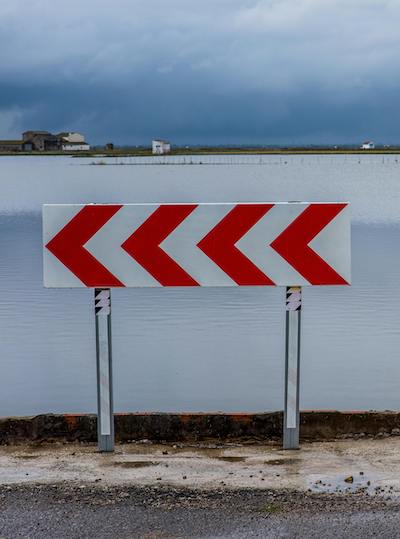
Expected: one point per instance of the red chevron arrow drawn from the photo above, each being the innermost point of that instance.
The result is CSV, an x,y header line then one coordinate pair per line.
x,y
292,244
144,245
68,245
219,244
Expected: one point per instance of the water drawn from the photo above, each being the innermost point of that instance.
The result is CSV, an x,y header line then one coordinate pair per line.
x,y
201,349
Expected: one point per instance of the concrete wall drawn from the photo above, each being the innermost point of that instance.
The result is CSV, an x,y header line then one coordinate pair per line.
x,y
315,426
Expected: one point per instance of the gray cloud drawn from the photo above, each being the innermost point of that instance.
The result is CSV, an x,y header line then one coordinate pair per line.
x,y
212,71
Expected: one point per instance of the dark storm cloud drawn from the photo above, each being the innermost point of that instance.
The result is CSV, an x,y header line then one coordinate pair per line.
x,y
265,71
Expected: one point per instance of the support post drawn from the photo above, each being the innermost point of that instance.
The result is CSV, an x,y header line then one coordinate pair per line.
x,y
291,416
105,417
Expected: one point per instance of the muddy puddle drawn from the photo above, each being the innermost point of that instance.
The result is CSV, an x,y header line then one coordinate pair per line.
x,y
230,459
282,462
356,483
133,464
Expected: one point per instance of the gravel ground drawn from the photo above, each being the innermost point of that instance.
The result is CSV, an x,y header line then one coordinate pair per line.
x,y
343,489
93,511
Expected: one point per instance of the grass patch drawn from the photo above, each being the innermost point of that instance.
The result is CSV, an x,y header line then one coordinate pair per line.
x,y
272,508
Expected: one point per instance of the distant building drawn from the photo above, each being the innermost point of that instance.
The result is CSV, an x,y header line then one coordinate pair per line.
x,y
43,141
73,142
10,145
160,147
7,146
368,145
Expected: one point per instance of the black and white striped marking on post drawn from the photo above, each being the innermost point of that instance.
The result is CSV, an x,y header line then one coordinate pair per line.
x,y
102,302
105,418
291,418
293,298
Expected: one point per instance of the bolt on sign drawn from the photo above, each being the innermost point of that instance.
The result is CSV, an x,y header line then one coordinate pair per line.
x,y
290,244
145,245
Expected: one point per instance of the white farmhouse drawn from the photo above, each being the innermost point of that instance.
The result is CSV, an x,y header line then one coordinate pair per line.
x,y
73,142
160,147
368,145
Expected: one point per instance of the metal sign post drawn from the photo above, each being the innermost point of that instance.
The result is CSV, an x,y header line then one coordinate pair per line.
x,y
291,416
105,417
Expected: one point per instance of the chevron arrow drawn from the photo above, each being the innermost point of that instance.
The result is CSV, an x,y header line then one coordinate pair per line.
x,y
219,244
144,245
293,244
68,246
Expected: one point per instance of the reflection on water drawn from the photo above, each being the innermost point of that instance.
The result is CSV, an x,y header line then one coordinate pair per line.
x,y
199,349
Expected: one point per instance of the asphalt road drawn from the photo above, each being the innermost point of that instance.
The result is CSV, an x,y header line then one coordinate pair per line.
x,y
87,511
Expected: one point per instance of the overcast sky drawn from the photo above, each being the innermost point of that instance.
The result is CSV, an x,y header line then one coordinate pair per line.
x,y
204,71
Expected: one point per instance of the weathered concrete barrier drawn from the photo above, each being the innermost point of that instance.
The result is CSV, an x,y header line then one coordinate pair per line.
x,y
315,426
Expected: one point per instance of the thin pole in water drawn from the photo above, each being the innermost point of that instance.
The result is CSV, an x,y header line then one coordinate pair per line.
x,y
105,416
291,416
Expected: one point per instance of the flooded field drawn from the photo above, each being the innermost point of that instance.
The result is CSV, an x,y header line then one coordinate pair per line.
x,y
201,349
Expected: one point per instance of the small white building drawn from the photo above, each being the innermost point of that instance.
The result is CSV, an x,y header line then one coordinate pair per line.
x,y
368,145
160,147
73,142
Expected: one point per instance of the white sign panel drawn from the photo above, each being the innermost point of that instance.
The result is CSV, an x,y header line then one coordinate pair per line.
x,y
236,244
